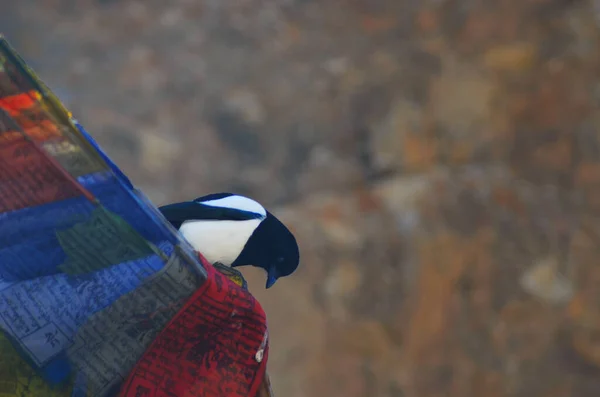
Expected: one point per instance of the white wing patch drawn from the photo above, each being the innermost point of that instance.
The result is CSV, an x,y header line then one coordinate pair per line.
x,y
238,202
219,241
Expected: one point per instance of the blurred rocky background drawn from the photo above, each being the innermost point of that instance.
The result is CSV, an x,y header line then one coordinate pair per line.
x,y
439,161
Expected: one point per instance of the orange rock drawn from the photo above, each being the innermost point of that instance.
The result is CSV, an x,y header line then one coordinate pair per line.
x,y
434,287
344,376
587,174
586,345
366,338
376,24
427,21
368,201
576,307
292,32
508,199
461,152
419,153
331,212
516,333
518,57
461,99
556,156
478,28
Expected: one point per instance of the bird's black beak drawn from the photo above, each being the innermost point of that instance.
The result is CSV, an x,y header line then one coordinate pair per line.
x,y
271,278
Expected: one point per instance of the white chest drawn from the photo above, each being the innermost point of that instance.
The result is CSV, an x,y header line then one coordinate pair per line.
x,y
219,241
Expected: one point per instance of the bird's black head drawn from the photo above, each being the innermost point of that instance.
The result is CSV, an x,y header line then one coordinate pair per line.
x,y
271,247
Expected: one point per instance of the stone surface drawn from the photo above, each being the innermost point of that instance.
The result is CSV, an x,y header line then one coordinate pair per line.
x,y
438,160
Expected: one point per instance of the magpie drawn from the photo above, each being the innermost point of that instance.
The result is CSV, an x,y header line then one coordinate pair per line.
x,y
236,231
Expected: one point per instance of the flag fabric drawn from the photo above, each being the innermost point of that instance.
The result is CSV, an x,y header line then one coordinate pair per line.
x,y
96,288
215,346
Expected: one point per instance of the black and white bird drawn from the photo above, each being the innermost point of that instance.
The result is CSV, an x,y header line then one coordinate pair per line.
x,y
236,231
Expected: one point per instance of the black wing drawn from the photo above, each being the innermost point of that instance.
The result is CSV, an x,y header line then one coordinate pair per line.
x,y
191,210
213,196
